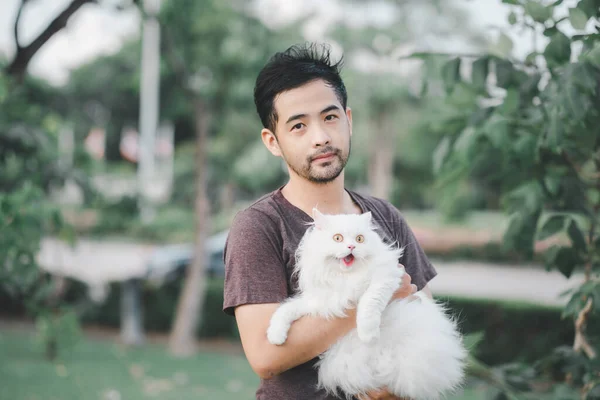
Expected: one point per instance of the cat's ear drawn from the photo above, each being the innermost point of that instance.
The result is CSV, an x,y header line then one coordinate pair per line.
x,y
318,218
368,217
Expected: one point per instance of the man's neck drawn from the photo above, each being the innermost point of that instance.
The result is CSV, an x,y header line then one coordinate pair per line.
x,y
328,198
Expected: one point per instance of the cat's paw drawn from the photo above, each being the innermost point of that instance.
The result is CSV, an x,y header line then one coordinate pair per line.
x,y
368,329
277,334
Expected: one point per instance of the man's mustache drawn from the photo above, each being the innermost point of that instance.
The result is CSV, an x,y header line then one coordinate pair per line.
x,y
326,150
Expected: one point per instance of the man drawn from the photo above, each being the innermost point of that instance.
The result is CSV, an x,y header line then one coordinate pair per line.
x,y
302,103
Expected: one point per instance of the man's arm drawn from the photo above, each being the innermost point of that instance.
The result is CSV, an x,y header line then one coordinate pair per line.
x,y
308,337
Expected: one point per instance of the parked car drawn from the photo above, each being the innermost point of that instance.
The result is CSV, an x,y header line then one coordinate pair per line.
x,y
166,262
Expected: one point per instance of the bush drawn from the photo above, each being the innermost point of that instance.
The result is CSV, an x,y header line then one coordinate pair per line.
x,y
512,331
159,305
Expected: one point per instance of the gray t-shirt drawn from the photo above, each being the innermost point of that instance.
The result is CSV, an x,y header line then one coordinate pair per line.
x,y
259,261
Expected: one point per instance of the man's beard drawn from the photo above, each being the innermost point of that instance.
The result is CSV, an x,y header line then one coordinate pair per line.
x,y
329,170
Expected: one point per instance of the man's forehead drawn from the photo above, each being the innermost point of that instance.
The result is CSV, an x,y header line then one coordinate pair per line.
x,y
310,98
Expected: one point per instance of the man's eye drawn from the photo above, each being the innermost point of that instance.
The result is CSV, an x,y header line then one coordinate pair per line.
x,y
297,126
330,117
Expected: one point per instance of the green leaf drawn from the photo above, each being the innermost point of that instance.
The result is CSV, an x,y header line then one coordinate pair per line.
x,y
479,72
589,7
558,51
513,2
537,11
526,198
578,18
554,135
472,340
466,141
512,18
451,73
585,76
594,196
440,154
551,31
462,97
521,232
574,305
593,56
576,236
511,102
504,73
531,57
553,225
503,46
552,183
496,129
565,259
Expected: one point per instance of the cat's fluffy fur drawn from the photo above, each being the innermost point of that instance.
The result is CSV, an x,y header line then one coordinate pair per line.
x,y
412,348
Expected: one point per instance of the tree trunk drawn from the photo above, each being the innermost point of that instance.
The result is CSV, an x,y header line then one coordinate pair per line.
x,y
182,339
132,321
23,56
381,158
227,197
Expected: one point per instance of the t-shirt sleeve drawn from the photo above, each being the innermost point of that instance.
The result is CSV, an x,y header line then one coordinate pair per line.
x,y
414,259
254,268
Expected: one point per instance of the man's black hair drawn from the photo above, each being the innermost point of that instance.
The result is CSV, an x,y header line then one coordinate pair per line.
x,y
290,69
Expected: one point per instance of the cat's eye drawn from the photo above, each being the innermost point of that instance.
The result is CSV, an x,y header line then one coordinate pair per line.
x,y
338,238
360,239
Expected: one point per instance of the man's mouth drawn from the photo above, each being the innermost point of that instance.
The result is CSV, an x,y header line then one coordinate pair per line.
x,y
348,260
324,156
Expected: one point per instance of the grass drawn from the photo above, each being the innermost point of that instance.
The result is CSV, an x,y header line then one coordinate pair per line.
x,y
102,370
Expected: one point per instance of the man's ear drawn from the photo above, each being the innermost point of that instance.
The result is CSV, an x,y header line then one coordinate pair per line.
x,y
349,116
270,141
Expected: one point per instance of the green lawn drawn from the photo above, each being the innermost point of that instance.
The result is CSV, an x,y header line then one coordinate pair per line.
x,y
101,370
97,370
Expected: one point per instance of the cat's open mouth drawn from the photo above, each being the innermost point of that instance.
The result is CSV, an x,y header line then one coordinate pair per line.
x,y
348,260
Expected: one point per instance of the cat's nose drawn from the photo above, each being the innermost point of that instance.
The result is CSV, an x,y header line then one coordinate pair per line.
x,y
351,246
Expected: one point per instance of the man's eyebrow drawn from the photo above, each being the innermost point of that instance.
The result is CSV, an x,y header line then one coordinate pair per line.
x,y
330,108
325,110
293,117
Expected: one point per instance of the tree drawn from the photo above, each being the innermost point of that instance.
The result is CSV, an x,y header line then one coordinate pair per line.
x,y
384,89
531,128
29,167
30,123
18,66
210,48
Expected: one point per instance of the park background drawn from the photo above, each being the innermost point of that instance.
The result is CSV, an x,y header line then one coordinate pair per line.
x,y
129,140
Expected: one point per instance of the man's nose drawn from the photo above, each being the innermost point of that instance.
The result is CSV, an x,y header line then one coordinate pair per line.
x,y
321,137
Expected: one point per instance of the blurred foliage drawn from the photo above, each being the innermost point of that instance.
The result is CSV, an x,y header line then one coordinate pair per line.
x,y
29,168
529,130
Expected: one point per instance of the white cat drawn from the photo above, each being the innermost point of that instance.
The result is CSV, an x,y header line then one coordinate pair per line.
x,y
410,347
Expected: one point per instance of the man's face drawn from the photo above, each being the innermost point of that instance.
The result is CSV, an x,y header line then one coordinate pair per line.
x,y
312,132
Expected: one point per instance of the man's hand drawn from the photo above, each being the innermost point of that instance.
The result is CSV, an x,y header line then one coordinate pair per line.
x,y
406,288
381,395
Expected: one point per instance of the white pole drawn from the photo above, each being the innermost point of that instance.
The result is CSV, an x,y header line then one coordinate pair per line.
x,y
149,103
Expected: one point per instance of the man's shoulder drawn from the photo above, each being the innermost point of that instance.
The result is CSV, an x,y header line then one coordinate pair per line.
x,y
376,203
262,210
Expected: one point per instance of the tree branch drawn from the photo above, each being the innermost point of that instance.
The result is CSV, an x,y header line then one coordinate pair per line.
x,y
16,27
581,342
24,55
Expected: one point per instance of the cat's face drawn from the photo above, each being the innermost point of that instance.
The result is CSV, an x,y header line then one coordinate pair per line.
x,y
346,240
